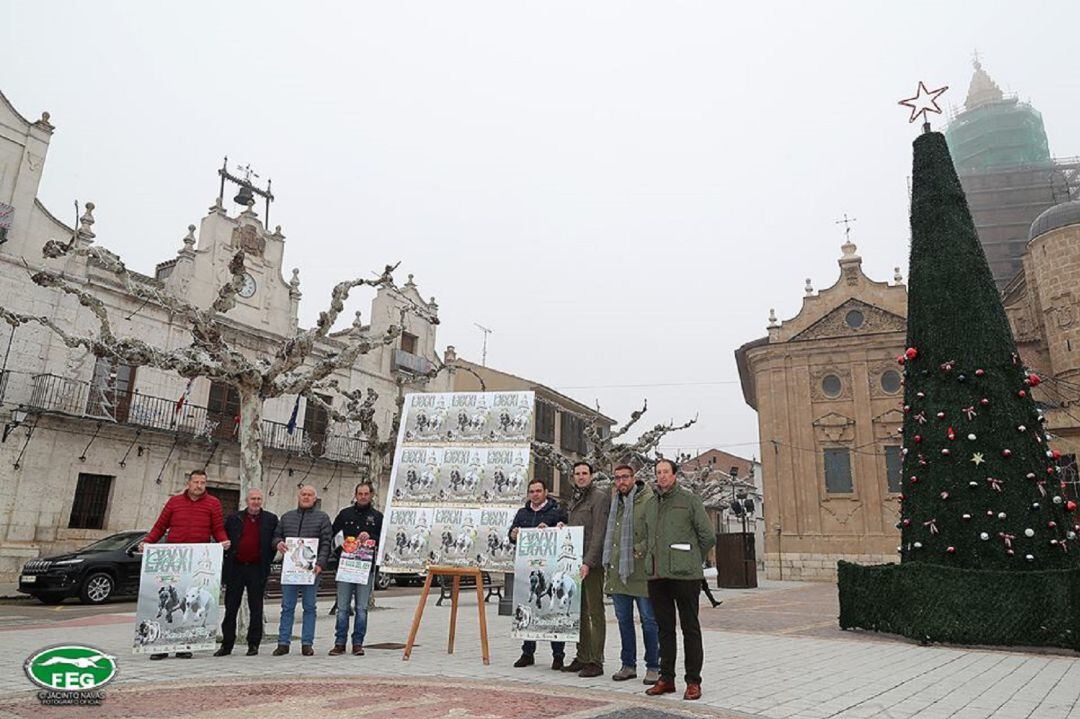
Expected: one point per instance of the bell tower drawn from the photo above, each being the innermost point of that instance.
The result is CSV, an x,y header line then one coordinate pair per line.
x,y
265,300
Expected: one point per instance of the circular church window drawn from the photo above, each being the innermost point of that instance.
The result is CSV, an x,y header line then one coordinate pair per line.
x,y
854,319
890,381
831,386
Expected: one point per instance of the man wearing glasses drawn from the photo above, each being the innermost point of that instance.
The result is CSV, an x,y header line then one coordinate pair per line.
x,y
626,578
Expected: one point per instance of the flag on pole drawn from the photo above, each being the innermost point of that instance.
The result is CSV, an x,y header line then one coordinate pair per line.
x,y
291,426
184,397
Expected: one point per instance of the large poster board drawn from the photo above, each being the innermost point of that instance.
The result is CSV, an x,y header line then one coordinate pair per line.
x,y
178,607
547,584
461,468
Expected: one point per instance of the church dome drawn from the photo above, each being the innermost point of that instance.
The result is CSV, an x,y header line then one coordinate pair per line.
x,y
1063,215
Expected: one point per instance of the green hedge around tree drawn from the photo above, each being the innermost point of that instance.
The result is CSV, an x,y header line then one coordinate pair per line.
x,y
931,602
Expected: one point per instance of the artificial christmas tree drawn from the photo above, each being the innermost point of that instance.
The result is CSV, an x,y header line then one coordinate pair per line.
x,y
989,550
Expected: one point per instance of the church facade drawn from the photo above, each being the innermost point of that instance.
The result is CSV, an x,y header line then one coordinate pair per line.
x,y
90,446
826,385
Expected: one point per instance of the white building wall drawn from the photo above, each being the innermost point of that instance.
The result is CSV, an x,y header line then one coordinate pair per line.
x,y
36,496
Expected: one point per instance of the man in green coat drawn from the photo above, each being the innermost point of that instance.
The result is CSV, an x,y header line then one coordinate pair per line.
x,y
625,583
678,537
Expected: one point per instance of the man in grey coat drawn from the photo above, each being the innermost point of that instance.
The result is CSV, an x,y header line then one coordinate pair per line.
x,y
589,509
305,522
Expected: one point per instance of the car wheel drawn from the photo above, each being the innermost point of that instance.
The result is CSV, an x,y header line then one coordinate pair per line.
x,y
49,599
382,581
97,588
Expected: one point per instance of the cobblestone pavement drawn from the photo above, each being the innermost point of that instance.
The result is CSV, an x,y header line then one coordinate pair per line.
x,y
768,654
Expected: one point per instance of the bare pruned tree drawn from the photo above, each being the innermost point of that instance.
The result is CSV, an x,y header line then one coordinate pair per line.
x,y
294,369
606,451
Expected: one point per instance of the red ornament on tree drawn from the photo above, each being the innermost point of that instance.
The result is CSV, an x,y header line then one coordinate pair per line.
x,y
1070,505
984,402
1021,394
951,434
911,353
1033,380
980,372
1006,453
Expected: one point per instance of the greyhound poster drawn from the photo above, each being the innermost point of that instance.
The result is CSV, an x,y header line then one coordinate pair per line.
x,y
178,609
493,549
440,418
461,467
404,546
547,584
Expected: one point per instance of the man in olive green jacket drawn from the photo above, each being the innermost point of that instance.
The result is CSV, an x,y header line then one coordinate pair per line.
x,y
589,509
626,575
678,537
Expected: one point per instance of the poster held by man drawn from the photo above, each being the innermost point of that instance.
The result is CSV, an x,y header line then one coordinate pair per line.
x,y
547,584
178,608
298,560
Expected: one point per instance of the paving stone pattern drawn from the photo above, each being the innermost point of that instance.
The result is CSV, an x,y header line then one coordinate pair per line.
x,y
769,653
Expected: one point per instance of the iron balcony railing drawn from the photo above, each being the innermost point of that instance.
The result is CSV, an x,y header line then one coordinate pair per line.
x,y
62,395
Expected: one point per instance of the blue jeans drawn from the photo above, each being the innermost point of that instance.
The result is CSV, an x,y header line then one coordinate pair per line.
x,y
289,593
358,595
624,612
558,649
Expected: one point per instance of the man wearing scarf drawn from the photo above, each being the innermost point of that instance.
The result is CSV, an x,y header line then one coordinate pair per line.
x,y
589,509
626,578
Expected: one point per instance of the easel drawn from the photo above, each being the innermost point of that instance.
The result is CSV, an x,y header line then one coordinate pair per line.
x,y
457,573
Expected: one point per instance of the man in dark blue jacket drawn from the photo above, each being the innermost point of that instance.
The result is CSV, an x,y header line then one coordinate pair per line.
x,y
246,567
541,511
358,525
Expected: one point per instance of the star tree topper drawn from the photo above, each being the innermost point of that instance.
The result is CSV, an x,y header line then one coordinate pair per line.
x,y
924,101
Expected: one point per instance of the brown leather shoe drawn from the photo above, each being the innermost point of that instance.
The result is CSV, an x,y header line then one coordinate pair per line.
x,y
358,650
591,670
307,650
693,691
281,649
662,686
337,651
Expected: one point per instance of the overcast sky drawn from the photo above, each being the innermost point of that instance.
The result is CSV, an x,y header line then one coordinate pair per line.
x,y
619,190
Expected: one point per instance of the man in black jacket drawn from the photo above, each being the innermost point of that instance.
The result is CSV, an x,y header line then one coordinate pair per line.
x,y
246,567
359,524
541,511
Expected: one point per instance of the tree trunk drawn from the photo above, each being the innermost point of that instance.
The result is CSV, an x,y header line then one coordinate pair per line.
x,y
250,435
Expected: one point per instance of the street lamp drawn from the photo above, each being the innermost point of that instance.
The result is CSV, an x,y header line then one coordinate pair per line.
x,y
18,416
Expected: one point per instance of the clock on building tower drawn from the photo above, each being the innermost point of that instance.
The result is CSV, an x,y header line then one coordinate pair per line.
x,y
247,289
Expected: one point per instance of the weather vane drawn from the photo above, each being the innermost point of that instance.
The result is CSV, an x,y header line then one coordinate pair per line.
x,y
247,172
924,101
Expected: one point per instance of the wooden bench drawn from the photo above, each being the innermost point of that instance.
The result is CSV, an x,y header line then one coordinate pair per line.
x,y
446,585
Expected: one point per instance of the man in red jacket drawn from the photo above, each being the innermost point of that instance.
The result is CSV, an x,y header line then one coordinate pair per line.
x,y
191,517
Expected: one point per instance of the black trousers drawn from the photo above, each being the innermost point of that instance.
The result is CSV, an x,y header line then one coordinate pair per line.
x,y
243,577
666,596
